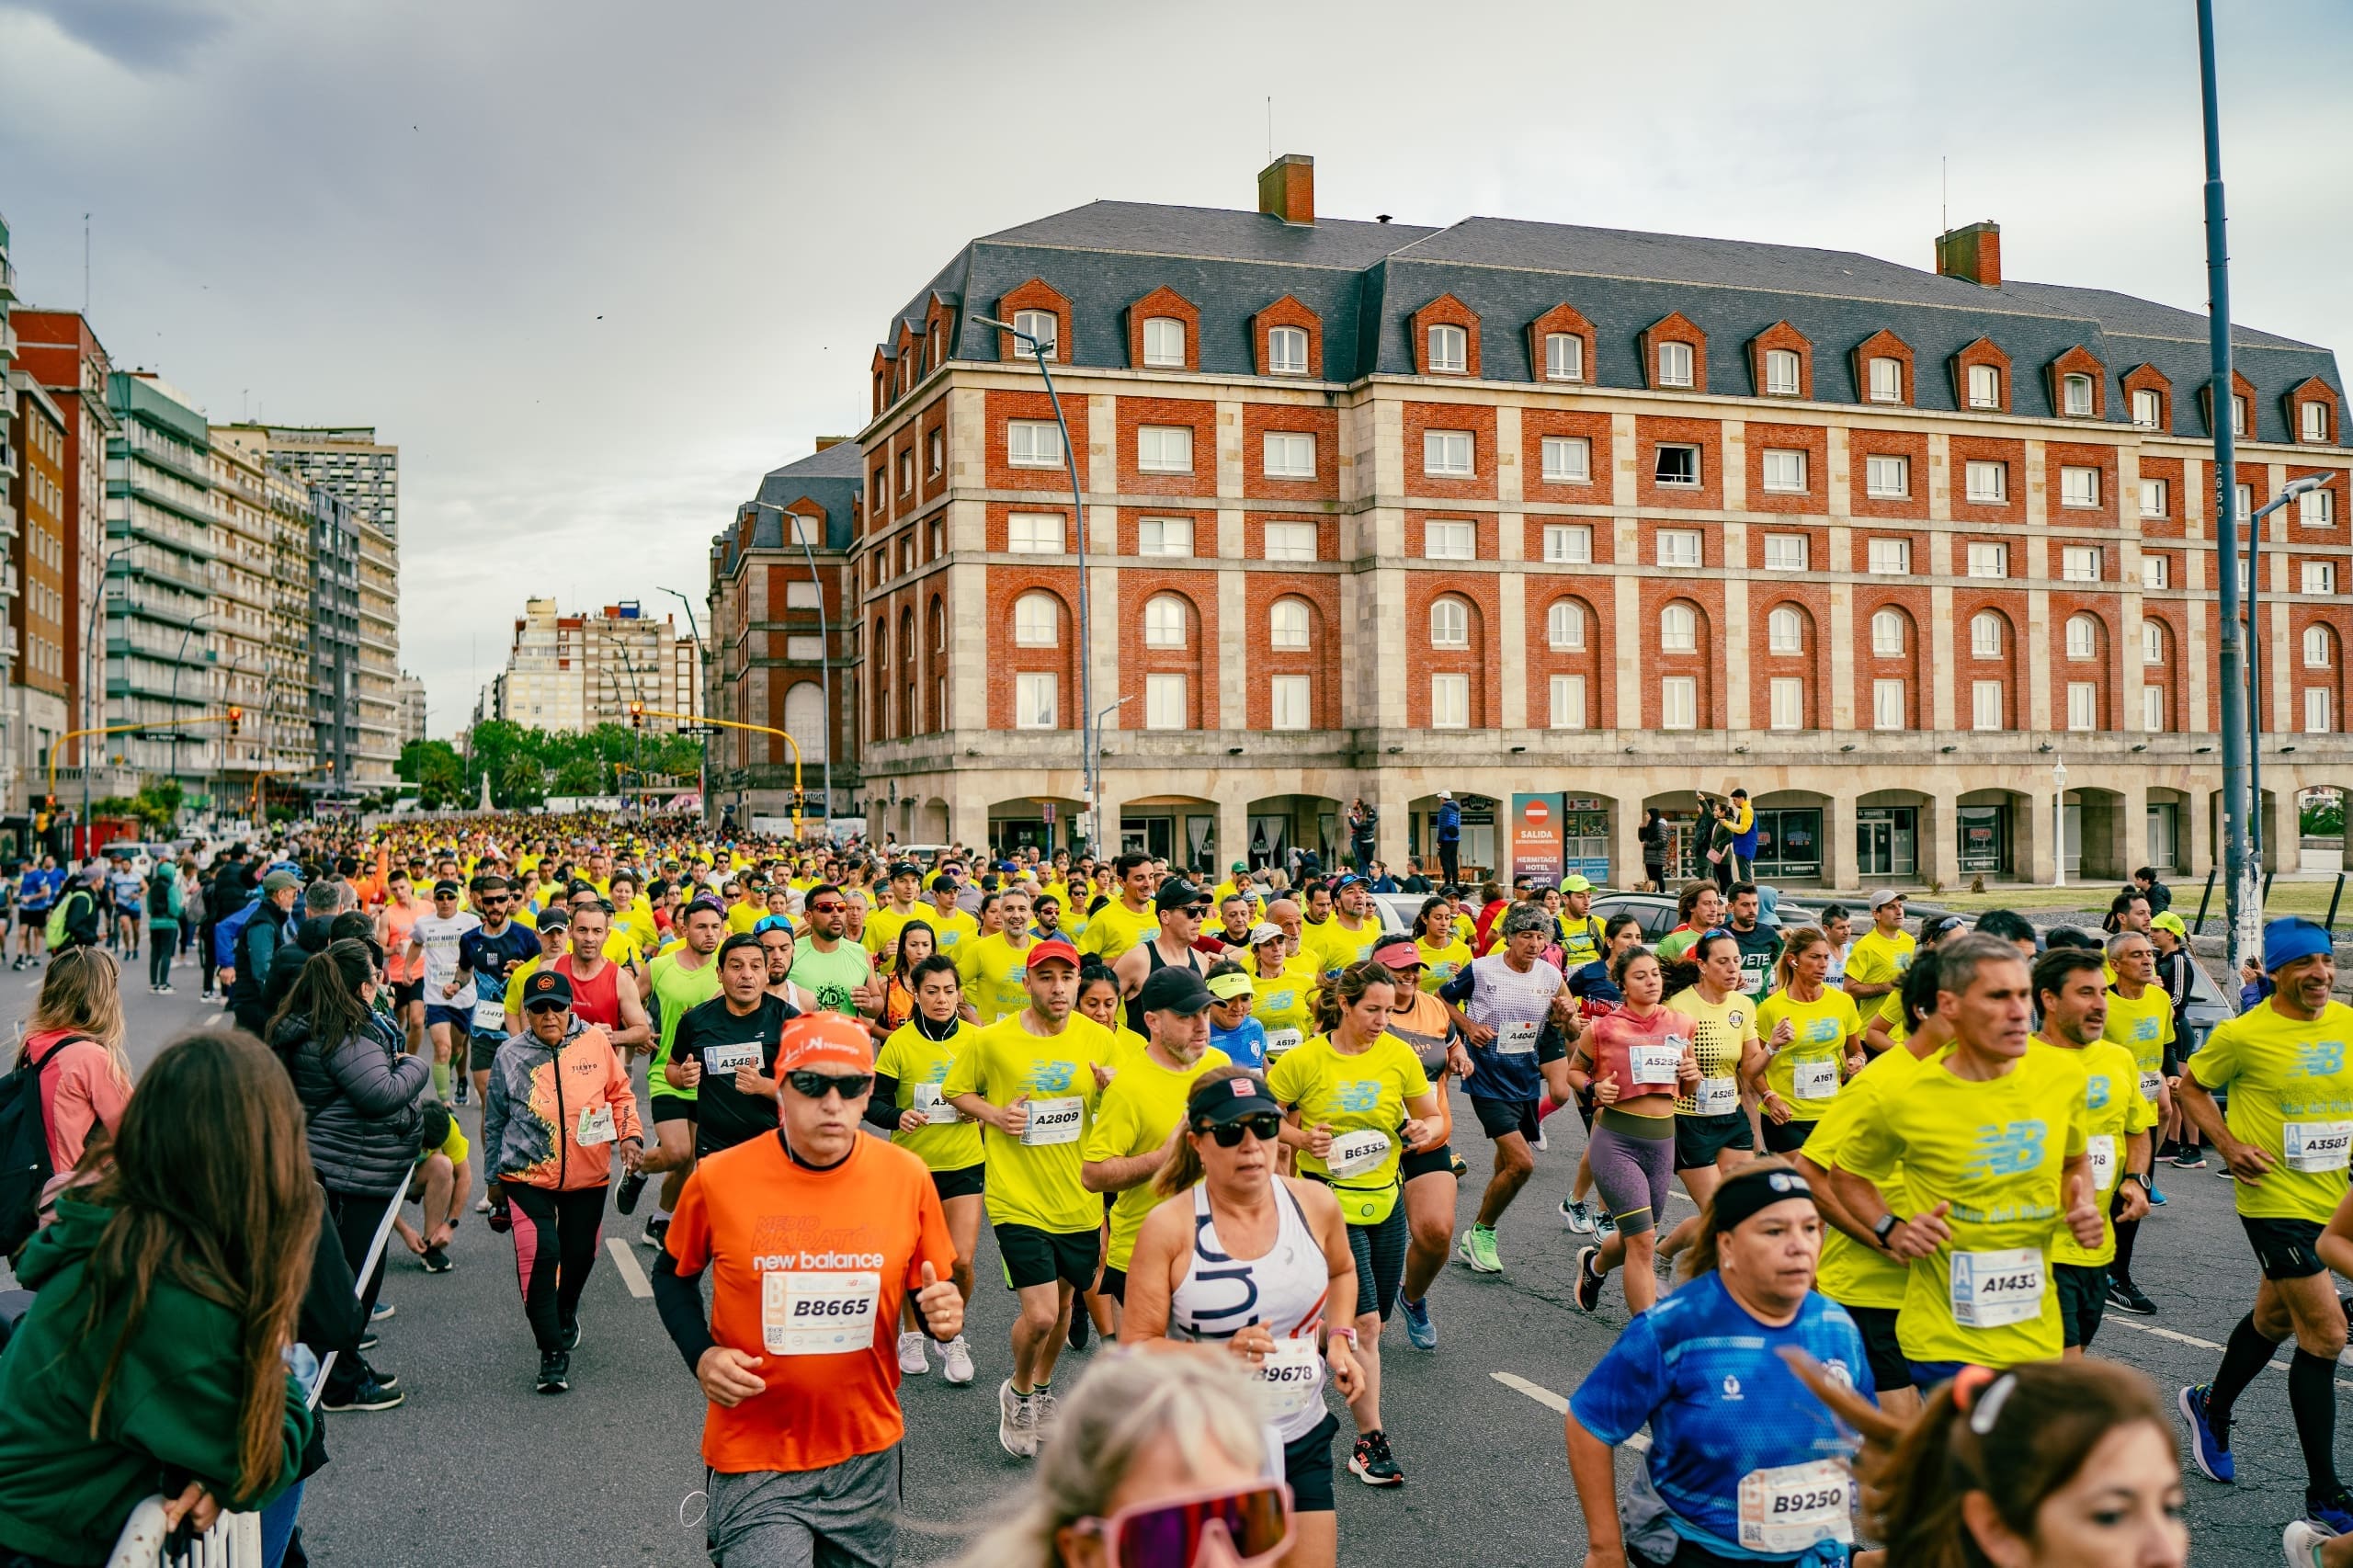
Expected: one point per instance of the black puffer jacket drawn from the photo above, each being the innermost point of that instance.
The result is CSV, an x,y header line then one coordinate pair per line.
x,y
364,1096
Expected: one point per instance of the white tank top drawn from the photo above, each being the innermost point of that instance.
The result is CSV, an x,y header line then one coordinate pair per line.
x,y
1285,1291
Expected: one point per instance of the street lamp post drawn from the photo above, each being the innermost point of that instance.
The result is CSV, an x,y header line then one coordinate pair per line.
x,y
825,668
2288,491
1086,754
195,621
91,664
703,649
2059,824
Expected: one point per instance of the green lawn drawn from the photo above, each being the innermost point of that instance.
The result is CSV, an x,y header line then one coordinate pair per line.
x,y
2308,898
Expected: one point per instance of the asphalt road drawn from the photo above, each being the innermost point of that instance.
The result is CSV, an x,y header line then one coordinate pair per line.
x,y
478,1469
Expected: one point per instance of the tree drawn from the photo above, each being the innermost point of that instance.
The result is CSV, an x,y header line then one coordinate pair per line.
x,y
521,782
579,777
158,805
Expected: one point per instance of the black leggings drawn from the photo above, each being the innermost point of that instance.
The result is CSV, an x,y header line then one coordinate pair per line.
x,y
163,941
556,1237
355,1216
204,953
1380,1252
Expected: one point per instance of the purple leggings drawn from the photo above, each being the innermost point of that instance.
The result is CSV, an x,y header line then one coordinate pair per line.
x,y
1633,1168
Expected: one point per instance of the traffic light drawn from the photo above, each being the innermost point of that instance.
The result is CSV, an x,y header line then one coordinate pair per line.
x,y
236,719
636,715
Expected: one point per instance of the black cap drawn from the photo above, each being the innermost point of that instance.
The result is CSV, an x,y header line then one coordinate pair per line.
x,y
554,919
943,883
444,890
1172,989
545,987
1177,894
1220,1100
904,869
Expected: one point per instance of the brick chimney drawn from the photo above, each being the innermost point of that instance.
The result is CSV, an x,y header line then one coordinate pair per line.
x,y
1972,253
1287,188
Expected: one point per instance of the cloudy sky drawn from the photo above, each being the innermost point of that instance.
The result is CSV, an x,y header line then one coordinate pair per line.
x,y
595,265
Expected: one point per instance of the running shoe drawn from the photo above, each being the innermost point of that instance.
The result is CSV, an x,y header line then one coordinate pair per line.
x,y
1373,1464
956,1361
1079,1323
164,989
1013,1433
436,1259
2331,1510
2302,1542
2191,1157
1538,1141
381,1310
1478,1250
481,1204
571,1332
2213,1459
555,1372
368,1342
369,1394
2156,1199
375,1375
1577,1216
2127,1296
1045,1415
1420,1333
1459,1168
656,1229
628,1189
1604,1223
1588,1285
911,1360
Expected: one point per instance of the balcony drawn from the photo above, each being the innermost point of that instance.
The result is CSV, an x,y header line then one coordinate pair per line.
x,y
8,280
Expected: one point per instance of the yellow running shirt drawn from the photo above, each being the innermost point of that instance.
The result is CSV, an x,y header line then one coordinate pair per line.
x,y
1807,1071
1853,1273
1114,928
1286,1005
946,1142
995,975
1994,1152
2291,1096
1033,1179
882,937
1144,1101
1333,947
2144,1026
951,930
2113,1111
1441,964
1362,1100
1720,1035
1881,960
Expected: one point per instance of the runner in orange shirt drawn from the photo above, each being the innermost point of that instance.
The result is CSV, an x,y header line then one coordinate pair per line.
x,y
814,1236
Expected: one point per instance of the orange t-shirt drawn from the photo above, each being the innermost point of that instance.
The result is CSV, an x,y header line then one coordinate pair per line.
x,y
398,921
801,1261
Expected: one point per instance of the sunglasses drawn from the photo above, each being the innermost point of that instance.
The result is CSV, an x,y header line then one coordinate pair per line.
x,y
817,1085
1266,1129
830,907
1171,1533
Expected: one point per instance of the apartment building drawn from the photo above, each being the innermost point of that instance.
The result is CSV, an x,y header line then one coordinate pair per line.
x,y
243,598
377,699
335,637
36,714
1924,559
783,630
575,672
278,723
162,545
62,355
350,461
410,697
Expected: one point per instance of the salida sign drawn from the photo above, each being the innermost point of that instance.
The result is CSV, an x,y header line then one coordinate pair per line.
x,y
1536,836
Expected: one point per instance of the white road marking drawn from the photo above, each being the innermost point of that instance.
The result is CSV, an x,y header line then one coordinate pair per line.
x,y
632,1274
2195,1342
1639,1442
216,1019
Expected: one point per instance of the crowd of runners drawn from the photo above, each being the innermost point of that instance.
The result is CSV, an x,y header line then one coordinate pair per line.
x,y
1215,1125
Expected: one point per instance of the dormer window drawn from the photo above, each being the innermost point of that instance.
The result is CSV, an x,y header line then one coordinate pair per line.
x,y
1887,380
1041,325
1287,351
2148,409
1450,350
1163,343
1780,371
2238,414
2075,396
2312,422
1563,357
1675,365
1985,387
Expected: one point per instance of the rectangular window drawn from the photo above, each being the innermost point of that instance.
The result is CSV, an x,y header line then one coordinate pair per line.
x,y
1568,544
2080,564
1568,702
2079,487
2320,577
1449,347
1287,351
1785,553
1286,704
1034,533
906,472
1033,443
1450,542
2075,396
2153,710
1449,702
1887,705
2148,409
1887,478
1678,547
1986,705
1675,364
1164,448
1987,483
1989,559
1678,703
2319,718
1163,702
1290,454
2153,497
2083,705
1447,452
936,446
1984,386
1784,471
1887,380
1890,557
2238,414
2155,571
1164,536
2316,508
801,596
1563,357
1291,541
2313,421
1568,460
1780,373
1038,325
1033,701
1677,465
1788,699
1163,343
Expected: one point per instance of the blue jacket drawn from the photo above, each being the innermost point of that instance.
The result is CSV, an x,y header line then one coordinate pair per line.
x,y
1450,822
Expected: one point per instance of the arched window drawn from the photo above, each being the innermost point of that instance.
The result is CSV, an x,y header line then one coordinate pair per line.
x,y
1037,621
907,637
2320,648
1887,634
1785,631
1164,342
1986,635
2152,642
1564,625
1286,624
804,717
939,626
1165,622
1448,350
1678,630
882,644
2083,637
1450,624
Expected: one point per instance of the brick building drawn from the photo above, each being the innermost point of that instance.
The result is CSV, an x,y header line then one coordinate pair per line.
x,y
58,351
1510,507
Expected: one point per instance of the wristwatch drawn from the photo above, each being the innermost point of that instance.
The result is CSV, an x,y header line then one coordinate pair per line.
x,y
2143,1177
1346,1333
1884,1228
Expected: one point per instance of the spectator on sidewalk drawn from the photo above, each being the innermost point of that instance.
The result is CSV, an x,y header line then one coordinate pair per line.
x,y
2145,883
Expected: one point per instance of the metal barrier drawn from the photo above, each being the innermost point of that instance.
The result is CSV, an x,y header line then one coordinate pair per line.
x,y
233,1541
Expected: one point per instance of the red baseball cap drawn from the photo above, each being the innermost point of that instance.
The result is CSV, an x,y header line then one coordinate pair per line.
x,y
1053,947
824,1039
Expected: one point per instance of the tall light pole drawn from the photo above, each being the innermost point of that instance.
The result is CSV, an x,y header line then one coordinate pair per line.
x,y
703,649
824,666
2288,491
93,633
2058,823
1086,752
194,622
2240,895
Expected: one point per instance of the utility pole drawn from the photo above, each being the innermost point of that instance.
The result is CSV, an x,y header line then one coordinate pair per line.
x,y
2242,889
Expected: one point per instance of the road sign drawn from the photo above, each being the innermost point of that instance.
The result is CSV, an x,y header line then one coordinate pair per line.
x,y
1047,806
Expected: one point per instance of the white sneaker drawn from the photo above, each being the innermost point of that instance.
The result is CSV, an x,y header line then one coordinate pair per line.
x,y
1012,1430
482,1205
911,1360
2300,1542
1045,1415
956,1358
